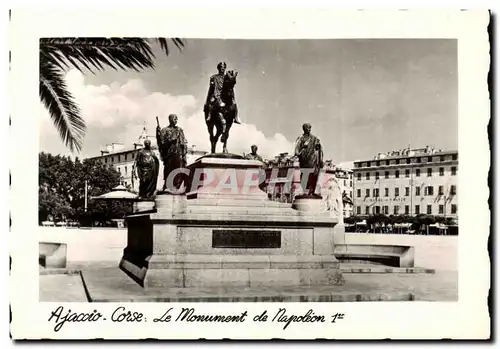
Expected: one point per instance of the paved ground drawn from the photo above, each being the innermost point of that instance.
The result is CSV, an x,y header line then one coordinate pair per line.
x,y
104,281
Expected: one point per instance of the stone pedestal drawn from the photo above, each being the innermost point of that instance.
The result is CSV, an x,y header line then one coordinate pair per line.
x,y
221,236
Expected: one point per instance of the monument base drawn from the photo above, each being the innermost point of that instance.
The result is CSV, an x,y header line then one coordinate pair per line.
x,y
220,239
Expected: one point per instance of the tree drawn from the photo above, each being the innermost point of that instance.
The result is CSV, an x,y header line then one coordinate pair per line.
x,y
93,54
62,188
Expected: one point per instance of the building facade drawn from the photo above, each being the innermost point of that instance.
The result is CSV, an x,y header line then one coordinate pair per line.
x,y
408,181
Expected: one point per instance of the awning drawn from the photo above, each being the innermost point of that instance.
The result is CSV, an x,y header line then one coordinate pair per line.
x,y
117,193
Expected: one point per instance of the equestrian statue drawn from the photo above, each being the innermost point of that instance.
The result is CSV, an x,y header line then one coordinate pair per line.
x,y
220,108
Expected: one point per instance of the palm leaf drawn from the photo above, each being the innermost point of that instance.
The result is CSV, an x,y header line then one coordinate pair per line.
x,y
97,53
62,108
164,44
93,54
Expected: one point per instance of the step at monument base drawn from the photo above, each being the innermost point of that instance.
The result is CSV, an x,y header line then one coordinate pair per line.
x,y
233,271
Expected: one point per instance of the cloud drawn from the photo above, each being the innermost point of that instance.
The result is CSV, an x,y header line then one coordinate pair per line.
x,y
118,113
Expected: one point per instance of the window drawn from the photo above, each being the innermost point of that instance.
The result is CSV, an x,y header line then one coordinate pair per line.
x,y
407,191
358,209
397,162
441,190
377,209
429,159
367,193
408,160
368,164
453,209
367,210
396,191
377,163
345,183
386,191
386,210
386,174
383,163
453,171
407,209
126,157
441,158
429,209
125,169
396,209
376,175
441,209
358,193
441,171
429,172
359,176
407,173
119,170
367,175
375,193
454,157
417,172
453,190
419,160
350,184
417,209
429,191
396,174
417,191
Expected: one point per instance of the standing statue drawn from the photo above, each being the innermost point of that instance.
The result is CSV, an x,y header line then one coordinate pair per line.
x,y
333,199
173,149
309,151
220,107
253,155
147,167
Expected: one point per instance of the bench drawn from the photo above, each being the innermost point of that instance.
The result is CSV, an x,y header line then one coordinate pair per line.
x,y
391,255
52,254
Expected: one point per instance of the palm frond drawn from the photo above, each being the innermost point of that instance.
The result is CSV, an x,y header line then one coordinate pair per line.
x,y
98,53
93,54
62,108
164,44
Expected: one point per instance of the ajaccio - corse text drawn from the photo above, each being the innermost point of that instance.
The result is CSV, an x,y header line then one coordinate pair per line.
x,y
120,314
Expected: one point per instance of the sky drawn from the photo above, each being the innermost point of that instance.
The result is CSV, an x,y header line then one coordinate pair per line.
x,y
362,97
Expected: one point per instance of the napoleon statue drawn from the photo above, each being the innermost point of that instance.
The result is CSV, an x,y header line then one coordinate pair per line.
x,y
172,145
309,152
147,167
220,107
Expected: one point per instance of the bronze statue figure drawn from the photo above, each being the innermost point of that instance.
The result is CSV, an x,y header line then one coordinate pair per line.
x,y
309,151
172,145
220,107
253,155
147,166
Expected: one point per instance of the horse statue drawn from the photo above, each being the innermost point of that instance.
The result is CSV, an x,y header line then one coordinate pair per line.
x,y
222,118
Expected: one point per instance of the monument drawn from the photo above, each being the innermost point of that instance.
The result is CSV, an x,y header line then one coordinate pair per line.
x,y
253,155
220,108
223,230
172,144
147,167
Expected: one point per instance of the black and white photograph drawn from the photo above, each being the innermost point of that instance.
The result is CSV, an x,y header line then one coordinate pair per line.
x,y
216,182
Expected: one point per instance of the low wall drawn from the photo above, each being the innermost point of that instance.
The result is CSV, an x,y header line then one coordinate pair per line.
x,y
88,245
431,251
107,244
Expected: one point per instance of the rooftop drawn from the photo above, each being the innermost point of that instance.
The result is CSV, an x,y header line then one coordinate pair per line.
x,y
410,152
